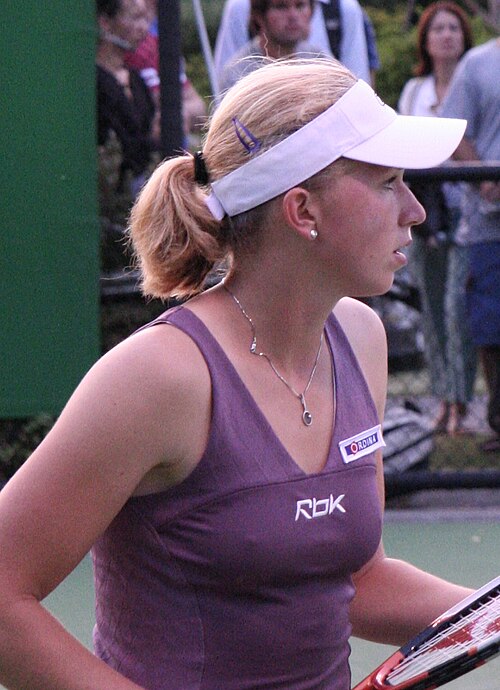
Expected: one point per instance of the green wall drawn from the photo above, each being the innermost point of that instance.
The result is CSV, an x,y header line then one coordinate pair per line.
x,y
49,236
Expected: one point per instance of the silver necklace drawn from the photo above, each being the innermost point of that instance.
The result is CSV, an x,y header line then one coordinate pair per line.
x,y
307,417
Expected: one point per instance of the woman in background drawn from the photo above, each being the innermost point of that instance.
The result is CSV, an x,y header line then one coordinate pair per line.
x,y
146,60
124,103
438,264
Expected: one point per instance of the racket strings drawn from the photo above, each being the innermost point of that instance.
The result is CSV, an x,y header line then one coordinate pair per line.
x,y
476,629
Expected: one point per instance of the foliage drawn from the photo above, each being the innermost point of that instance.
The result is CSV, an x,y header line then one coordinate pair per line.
x,y
197,73
212,10
396,46
482,33
18,438
388,5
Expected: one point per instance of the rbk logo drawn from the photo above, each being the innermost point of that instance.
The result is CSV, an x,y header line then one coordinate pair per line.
x,y
310,508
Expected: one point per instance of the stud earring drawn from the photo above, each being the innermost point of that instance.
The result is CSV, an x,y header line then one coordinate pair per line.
x,y
313,234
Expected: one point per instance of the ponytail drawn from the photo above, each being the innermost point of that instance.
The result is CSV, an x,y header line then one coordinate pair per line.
x,y
174,237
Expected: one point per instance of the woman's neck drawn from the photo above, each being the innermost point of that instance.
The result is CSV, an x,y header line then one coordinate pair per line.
x,y
443,72
275,50
288,320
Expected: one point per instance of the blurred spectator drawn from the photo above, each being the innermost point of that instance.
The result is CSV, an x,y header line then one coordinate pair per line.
x,y
332,21
124,103
437,262
280,26
371,46
474,94
145,59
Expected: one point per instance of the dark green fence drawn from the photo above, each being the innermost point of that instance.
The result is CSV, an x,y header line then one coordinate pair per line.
x,y
49,242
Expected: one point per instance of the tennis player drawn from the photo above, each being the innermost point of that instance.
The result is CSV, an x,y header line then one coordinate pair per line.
x,y
224,463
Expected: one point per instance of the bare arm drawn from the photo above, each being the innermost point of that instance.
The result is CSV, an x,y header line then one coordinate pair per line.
x,y
466,151
394,600
125,420
41,655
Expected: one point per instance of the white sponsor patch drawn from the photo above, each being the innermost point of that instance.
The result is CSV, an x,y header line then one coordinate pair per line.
x,y
362,444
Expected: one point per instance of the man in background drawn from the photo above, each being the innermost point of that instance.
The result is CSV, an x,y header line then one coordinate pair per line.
x,y
279,27
337,28
474,95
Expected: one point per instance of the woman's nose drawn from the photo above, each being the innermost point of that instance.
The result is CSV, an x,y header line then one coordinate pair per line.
x,y
416,213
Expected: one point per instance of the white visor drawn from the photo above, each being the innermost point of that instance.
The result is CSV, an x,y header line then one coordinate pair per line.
x,y
359,126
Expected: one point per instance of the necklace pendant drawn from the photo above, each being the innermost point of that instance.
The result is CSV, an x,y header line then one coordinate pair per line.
x,y
307,418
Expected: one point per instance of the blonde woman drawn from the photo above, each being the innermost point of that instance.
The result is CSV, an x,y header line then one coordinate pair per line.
x,y
224,463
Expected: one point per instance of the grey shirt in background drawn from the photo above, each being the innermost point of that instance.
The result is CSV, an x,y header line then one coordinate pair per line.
x,y
474,95
251,57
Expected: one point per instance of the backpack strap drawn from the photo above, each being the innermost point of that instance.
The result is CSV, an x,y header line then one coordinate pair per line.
x,y
333,24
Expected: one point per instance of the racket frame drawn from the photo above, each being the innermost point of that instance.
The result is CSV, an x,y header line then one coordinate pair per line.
x,y
448,670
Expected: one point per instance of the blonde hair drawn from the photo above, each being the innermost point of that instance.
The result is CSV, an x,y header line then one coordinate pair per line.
x,y
174,236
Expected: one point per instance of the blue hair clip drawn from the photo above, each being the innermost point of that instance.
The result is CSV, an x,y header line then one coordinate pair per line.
x,y
247,139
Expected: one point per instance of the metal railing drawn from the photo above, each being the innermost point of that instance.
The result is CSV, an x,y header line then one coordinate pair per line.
x,y
457,172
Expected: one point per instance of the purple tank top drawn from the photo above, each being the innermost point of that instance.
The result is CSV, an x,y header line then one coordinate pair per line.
x,y
239,578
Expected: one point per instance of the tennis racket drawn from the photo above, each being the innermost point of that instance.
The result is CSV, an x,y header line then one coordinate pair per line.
x,y
462,638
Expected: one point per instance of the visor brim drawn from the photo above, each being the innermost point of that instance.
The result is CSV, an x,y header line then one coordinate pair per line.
x,y
411,142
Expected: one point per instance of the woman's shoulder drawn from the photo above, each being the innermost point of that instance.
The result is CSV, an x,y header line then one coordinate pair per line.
x,y
362,326
151,391
367,337
410,93
161,352
414,82
157,374
349,310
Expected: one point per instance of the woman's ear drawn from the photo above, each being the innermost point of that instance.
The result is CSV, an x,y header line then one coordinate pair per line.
x,y
299,212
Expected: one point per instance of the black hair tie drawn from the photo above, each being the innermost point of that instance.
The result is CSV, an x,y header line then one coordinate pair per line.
x,y
200,169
